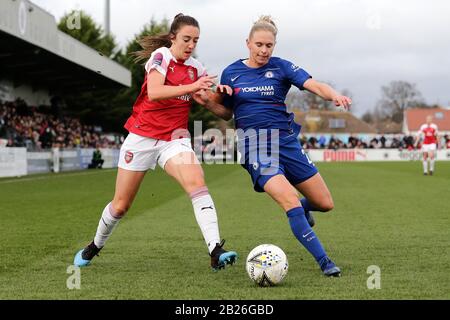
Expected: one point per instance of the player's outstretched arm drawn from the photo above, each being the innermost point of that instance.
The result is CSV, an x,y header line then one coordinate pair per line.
x,y
416,141
328,93
156,90
420,136
213,101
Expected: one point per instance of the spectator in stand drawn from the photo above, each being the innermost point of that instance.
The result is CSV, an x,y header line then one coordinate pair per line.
x,y
374,143
447,141
312,143
383,141
10,143
352,141
322,141
396,143
361,144
409,142
391,141
46,138
27,127
2,124
332,144
304,141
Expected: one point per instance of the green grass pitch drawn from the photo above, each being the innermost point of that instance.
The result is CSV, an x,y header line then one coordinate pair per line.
x,y
386,214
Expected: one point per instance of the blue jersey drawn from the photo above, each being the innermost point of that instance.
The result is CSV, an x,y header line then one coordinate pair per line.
x,y
259,93
258,103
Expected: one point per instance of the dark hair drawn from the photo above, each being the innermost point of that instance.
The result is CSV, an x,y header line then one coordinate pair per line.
x,y
151,43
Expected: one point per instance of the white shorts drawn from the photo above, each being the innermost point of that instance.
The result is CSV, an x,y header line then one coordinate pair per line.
x,y
140,153
429,147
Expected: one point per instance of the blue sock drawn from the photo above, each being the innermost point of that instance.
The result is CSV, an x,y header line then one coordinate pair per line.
x,y
304,233
307,205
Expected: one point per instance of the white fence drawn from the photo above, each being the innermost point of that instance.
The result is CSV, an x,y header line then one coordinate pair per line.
x,y
16,162
13,162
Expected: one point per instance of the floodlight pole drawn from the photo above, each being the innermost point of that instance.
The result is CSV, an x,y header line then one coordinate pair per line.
x,y
107,17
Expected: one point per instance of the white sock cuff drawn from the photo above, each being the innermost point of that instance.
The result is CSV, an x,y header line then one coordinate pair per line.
x,y
110,213
200,192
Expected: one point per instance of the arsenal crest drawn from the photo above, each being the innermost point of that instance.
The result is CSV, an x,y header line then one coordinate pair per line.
x,y
191,74
128,156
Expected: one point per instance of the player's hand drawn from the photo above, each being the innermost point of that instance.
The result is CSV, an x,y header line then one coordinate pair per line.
x,y
222,88
202,96
342,101
205,82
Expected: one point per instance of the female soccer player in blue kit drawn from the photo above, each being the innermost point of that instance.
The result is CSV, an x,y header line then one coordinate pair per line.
x,y
260,85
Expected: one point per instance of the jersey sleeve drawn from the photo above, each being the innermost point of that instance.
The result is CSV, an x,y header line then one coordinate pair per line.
x,y
225,80
294,74
421,131
201,70
159,60
436,131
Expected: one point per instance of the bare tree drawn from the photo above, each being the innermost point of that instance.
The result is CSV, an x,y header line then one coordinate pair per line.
x,y
315,102
297,100
374,116
397,97
368,117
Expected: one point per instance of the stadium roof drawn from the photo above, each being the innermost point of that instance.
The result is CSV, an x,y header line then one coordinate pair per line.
x,y
33,50
414,118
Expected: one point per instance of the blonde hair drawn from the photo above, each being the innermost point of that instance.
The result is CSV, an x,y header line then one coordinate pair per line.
x,y
264,23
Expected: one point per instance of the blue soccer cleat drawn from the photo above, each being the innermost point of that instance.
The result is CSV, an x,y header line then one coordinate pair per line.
x,y
84,256
220,257
329,268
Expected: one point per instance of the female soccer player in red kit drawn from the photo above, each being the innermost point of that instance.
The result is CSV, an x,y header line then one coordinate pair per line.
x,y
160,115
429,133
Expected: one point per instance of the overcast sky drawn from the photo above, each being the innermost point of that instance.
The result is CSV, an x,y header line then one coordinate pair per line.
x,y
354,44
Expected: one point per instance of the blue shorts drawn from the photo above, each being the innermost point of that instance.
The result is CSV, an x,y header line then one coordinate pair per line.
x,y
289,160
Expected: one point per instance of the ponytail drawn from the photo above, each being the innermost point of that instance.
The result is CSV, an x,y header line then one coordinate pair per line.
x,y
151,43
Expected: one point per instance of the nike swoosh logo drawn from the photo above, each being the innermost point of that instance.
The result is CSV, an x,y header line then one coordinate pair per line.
x,y
305,235
232,79
105,223
210,207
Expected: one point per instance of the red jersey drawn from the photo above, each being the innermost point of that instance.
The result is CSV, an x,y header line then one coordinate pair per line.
x,y
159,119
430,133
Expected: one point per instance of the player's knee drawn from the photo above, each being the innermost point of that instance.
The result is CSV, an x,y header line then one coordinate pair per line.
x,y
120,207
327,204
288,201
193,184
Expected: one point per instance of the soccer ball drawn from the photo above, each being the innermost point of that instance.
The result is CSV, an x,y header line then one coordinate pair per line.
x,y
267,265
